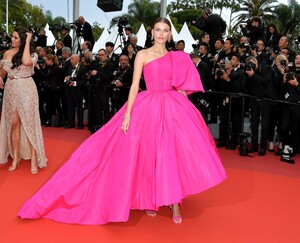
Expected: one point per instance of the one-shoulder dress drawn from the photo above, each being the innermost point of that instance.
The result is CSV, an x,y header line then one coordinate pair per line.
x,y
20,94
167,154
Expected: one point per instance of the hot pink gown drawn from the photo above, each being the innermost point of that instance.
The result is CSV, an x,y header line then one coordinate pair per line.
x,y
167,155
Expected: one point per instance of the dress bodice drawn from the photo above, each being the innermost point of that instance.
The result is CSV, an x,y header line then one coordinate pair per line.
x,y
174,70
158,73
21,71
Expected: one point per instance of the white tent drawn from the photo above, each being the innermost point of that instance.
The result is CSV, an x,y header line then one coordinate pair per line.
x,y
186,35
100,43
141,35
115,38
175,34
50,36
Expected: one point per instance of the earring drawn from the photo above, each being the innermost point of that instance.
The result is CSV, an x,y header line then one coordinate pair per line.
x,y
169,39
152,38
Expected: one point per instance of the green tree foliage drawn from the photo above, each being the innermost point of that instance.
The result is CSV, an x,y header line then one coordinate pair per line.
x,y
287,18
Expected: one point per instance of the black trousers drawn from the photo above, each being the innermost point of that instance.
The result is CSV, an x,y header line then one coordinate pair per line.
x,y
260,114
74,104
289,125
235,120
99,106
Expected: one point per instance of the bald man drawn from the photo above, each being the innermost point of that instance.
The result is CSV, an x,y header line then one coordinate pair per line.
x,y
75,81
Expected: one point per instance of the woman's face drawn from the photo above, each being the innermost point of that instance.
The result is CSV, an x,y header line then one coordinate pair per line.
x,y
15,40
161,32
49,62
130,49
271,30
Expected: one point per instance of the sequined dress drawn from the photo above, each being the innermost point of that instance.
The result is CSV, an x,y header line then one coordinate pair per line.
x,y
20,94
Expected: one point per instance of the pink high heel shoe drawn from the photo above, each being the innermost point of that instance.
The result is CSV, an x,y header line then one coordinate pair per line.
x,y
151,213
176,219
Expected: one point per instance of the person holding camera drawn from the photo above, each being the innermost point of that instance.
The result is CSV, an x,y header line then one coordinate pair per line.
x,y
101,75
258,51
212,24
121,83
232,80
40,37
200,99
84,29
255,31
20,126
260,85
67,41
54,79
74,83
290,114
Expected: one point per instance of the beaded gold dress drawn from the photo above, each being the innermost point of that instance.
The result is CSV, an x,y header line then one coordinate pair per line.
x,y
20,94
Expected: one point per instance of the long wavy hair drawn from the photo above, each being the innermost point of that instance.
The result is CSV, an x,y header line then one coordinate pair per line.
x,y
17,58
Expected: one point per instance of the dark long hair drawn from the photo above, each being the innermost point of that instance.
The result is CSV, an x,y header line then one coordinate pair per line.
x,y
161,20
17,58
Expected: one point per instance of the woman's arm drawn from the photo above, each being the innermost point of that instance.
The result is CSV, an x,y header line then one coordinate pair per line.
x,y
138,68
26,58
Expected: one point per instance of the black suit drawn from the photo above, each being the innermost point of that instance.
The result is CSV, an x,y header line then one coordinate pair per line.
x,y
100,93
68,41
237,84
261,85
120,95
87,33
74,95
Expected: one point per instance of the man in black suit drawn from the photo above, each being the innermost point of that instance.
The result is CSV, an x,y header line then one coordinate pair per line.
x,y
200,100
102,75
232,80
67,41
259,84
113,57
212,24
74,81
121,83
84,29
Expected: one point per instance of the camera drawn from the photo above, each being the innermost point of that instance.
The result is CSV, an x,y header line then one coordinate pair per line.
x,y
249,66
41,62
77,27
195,46
4,41
283,63
289,76
246,24
55,27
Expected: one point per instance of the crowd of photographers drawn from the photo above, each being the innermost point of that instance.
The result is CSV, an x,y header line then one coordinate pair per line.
x,y
257,75
248,76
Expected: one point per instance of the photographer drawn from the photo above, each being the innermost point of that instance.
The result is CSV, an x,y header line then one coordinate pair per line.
x,y
74,80
212,24
259,84
254,31
258,51
113,57
84,29
40,37
67,41
232,80
54,80
101,76
121,83
200,99
290,119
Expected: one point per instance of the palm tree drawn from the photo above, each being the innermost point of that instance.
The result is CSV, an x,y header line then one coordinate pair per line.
x,y
143,11
251,8
12,4
288,17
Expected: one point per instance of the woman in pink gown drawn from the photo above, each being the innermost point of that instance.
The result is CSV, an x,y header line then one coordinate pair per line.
x,y
154,152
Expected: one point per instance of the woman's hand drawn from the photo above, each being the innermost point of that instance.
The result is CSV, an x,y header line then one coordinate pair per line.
x,y
28,37
125,123
1,83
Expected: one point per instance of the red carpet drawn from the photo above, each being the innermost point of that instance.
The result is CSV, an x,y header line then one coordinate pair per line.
x,y
259,202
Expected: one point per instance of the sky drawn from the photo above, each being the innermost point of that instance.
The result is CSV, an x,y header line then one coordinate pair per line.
x,y
89,9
